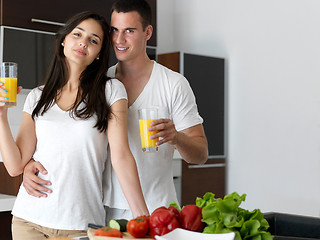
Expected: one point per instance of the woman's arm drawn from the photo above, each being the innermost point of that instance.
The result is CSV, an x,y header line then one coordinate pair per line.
x,y
122,159
16,155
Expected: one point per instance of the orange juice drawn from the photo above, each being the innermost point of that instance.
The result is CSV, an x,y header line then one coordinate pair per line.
x,y
10,84
148,145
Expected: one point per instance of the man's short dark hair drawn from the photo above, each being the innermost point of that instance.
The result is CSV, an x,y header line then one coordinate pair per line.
x,y
141,6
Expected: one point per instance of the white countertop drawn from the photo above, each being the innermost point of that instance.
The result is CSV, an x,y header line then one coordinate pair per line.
x,y
6,202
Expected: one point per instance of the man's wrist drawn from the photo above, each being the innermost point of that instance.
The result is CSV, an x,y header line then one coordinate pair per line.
x,y
31,160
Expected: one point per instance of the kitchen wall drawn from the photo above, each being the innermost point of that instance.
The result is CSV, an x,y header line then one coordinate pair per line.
x,y
272,49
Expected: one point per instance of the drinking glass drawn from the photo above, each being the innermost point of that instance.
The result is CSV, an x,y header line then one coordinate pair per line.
x,y
8,76
146,116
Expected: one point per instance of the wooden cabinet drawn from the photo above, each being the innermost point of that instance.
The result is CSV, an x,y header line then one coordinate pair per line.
x,y
199,179
8,185
49,15
206,77
5,225
46,15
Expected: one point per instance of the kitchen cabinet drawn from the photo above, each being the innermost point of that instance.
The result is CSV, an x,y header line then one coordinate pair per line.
x,y
199,179
6,204
8,185
5,225
45,15
50,15
206,77
33,54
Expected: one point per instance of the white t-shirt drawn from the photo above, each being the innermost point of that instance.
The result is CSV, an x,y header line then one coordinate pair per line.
x,y
74,153
171,92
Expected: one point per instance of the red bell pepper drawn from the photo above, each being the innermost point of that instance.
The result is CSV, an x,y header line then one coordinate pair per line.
x,y
162,221
190,218
174,210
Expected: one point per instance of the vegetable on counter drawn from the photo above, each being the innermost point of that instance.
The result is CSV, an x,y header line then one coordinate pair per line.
x,y
108,232
119,224
162,221
190,218
138,227
225,215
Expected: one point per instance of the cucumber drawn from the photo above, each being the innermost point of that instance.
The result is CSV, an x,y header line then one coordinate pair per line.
x,y
120,224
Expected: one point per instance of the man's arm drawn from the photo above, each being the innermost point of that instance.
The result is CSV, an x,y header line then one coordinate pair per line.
x,y
191,142
192,145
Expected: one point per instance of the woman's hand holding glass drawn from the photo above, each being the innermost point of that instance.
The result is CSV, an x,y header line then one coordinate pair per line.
x,y
4,99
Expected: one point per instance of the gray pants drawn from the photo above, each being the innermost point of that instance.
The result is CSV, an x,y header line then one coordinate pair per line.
x,y
116,213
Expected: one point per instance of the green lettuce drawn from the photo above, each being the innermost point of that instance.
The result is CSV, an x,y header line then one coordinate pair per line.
x,y
225,215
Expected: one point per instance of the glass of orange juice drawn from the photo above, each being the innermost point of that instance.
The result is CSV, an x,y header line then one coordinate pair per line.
x,y
8,78
146,116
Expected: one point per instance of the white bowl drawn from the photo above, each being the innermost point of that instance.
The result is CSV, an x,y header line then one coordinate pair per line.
x,y
181,234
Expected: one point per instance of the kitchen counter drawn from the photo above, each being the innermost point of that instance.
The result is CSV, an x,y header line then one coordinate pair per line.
x,y
6,202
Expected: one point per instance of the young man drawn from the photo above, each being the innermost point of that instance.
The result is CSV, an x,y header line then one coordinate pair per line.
x,y
148,84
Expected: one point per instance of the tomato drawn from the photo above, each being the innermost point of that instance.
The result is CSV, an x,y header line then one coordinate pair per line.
x,y
108,232
147,218
138,227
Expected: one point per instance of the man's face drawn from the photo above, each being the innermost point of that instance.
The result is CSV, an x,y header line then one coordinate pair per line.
x,y
128,36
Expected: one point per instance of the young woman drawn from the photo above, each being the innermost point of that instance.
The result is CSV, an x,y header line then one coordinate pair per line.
x,y
67,125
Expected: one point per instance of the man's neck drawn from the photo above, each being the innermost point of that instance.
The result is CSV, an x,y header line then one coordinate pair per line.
x,y
134,75
133,69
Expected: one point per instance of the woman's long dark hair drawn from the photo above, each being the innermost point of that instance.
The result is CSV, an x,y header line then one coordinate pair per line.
x,y
93,79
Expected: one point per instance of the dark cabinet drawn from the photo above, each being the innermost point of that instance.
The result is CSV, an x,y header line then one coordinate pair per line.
x,y
199,179
33,54
8,185
50,15
5,225
46,15
206,77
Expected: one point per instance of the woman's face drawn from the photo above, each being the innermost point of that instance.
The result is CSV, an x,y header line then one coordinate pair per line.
x,y
83,44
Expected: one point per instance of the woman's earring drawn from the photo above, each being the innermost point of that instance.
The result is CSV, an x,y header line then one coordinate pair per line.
x,y
97,58
62,44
